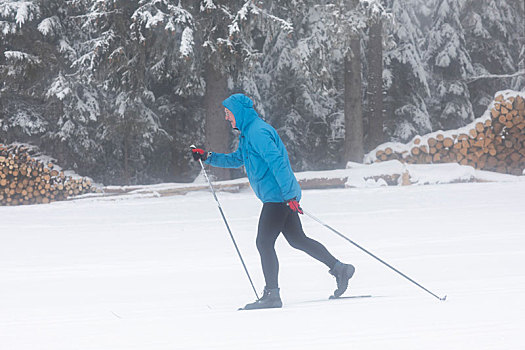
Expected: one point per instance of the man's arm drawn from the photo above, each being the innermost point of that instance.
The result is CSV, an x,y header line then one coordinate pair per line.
x,y
226,160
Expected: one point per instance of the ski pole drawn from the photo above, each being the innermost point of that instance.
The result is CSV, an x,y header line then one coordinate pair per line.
x,y
227,226
372,255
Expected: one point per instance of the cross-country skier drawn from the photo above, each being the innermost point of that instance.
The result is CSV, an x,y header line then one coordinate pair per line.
x,y
266,161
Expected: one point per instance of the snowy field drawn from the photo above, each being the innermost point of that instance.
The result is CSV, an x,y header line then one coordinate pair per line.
x,y
162,273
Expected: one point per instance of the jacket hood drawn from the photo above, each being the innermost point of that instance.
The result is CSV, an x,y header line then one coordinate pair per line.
x,y
242,108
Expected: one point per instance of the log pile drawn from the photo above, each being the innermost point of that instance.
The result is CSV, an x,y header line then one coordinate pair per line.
x,y
495,142
27,180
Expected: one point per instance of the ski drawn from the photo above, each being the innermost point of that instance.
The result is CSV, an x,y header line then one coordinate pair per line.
x,y
332,297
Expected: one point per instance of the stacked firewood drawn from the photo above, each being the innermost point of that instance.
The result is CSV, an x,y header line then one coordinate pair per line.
x,y
26,180
495,142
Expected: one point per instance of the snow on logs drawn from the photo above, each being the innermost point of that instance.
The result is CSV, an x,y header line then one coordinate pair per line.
x,y
494,142
26,180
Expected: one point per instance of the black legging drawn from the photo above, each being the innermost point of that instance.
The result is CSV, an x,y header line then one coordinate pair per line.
x,y
276,218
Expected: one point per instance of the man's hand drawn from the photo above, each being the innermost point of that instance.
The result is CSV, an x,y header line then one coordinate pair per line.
x,y
294,206
198,153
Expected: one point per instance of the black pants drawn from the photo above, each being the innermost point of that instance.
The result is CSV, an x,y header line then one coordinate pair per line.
x,y
276,218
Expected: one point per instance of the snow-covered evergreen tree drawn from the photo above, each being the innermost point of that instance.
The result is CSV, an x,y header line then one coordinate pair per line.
x,y
494,37
298,85
449,64
304,73
21,65
130,54
405,76
232,37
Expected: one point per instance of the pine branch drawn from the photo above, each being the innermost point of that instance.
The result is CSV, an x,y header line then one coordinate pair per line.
x,y
470,80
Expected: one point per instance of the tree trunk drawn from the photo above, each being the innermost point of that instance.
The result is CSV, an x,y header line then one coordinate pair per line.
x,y
126,145
375,84
217,128
353,144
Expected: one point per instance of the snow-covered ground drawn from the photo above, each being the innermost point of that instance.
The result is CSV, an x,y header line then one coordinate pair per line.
x,y
162,273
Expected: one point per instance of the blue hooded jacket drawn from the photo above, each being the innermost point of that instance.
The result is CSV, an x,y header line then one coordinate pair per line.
x,y
261,151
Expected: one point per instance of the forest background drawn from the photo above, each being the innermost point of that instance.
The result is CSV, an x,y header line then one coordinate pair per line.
x,y
118,89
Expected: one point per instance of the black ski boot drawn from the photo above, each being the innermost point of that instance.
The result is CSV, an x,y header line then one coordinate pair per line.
x,y
342,273
270,300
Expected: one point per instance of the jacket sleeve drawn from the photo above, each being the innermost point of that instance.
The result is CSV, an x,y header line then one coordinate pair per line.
x,y
266,146
223,160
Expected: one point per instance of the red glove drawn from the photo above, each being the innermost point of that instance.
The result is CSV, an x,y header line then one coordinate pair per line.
x,y
199,153
294,206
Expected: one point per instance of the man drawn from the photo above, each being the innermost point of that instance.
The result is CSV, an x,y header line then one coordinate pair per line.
x,y
265,158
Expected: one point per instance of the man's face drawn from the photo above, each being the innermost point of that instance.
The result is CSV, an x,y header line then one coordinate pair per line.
x,y
229,117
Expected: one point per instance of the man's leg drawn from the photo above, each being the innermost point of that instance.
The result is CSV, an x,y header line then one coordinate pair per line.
x,y
294,234
271,223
